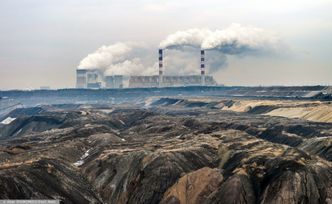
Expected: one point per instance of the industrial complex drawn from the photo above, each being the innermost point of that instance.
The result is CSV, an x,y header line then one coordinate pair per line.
x,y
95,78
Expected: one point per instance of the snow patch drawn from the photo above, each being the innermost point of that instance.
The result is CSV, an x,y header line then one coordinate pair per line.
x,y
122,122
8,120
18,132
148,102
81,161
107,110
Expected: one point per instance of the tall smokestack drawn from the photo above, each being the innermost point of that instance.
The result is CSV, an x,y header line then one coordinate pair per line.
x,y
160,67
203,67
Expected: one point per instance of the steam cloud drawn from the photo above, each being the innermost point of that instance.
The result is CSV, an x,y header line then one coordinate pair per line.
x,y
120,58
235,39
138,59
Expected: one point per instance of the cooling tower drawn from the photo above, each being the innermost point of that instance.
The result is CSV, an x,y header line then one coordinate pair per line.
x,y
89,78
81,80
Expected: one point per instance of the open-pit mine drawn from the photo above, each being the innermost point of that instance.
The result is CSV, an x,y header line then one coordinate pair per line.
x,y
191,145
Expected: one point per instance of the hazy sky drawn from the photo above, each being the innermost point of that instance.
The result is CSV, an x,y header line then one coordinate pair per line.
x,y
43,41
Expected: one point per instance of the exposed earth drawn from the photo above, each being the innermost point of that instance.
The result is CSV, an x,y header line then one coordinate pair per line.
x,y
170,150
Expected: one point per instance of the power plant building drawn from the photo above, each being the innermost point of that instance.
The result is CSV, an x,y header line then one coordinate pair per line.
x,y
114,82
81,78
169,81
95,79
89,78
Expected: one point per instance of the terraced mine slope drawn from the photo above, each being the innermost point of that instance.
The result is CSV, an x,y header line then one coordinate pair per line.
x,y
173,150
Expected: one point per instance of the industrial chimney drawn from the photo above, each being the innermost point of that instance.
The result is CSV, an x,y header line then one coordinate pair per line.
x,y
160,67
203,67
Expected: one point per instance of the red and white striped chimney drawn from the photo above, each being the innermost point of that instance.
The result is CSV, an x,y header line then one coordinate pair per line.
x,y
160,67
203,67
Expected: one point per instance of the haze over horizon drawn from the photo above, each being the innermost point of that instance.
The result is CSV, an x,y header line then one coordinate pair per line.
x,y
44,41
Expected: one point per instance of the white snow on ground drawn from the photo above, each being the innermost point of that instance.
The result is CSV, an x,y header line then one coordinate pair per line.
x,y
18,132
148,102
106,110
123,139
81,161
122,122
8,120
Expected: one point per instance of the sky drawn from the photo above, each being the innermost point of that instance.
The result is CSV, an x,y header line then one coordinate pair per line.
x,y
43,41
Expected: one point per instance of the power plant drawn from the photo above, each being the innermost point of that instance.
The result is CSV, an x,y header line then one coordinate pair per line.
x,y
95,78
169,81
89,78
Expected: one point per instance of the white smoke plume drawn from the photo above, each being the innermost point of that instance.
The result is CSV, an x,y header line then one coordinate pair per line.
x,y
233,40
182,54
139,59
121,58
192,38
182,62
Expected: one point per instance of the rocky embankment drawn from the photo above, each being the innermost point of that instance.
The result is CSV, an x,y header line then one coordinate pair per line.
x,y
170,151
310,110
318,111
